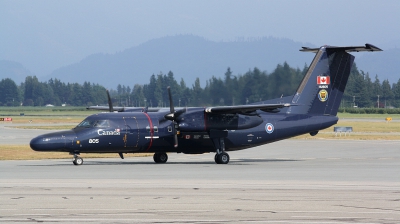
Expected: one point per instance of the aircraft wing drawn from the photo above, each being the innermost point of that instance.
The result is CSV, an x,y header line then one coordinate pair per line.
x,y
245,109
103,108
123,109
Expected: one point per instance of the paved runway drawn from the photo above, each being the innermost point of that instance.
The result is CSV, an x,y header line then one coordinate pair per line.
x,y
292,181
10,135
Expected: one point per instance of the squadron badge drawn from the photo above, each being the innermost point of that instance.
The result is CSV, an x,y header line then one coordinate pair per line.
x,y
323,95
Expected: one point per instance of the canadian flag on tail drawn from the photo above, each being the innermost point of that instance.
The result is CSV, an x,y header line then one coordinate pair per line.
x,y
323,80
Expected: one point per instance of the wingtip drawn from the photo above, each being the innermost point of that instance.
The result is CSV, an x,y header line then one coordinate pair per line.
x,y
372,47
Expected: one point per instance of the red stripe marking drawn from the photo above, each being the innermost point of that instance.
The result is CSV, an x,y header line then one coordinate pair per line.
x,y
151,131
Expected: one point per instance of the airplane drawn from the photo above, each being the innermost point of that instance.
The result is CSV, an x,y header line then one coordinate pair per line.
x,y
219,129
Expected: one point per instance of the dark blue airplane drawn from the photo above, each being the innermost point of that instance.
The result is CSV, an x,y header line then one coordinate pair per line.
x,y
219,129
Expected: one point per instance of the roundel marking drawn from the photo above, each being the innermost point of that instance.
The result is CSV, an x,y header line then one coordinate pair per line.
x,y
323,95
269,128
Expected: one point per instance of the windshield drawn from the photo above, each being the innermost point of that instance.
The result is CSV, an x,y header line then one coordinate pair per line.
x,y
88,123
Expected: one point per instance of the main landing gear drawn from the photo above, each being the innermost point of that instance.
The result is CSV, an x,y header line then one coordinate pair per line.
x,y
217,137
160,157
77,160
221,158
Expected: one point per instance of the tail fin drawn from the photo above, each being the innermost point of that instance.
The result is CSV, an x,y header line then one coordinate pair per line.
x,y
322,87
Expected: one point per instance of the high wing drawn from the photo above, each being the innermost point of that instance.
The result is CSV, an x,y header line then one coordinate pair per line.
x,y
123,109
245,109
367,47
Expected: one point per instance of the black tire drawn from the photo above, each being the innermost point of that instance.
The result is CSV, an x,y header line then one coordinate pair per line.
x,y
155,158
77,161
160,157
222,158
216,158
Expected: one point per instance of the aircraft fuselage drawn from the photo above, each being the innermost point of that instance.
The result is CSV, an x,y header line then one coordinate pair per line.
x,y
138,132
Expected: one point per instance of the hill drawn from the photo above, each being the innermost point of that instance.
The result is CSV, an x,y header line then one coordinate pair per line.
x,y
385,64
187,57
13,70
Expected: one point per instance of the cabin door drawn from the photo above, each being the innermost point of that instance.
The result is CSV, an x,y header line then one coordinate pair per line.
x,y
131,132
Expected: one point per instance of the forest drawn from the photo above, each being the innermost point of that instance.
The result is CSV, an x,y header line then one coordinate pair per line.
x,y
253,86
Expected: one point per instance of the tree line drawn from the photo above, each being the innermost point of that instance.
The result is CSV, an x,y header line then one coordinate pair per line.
x,y
253,86
35,93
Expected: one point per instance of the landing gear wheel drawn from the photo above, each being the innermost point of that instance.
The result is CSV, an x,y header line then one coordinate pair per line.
x,y
77,160
222,158
160,157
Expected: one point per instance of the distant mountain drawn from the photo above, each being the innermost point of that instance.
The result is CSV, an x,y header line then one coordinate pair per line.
x,y
385,64
187,57
13,70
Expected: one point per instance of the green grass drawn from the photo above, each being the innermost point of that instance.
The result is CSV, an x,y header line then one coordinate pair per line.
x,y
47,119
45,111
369,116
56,127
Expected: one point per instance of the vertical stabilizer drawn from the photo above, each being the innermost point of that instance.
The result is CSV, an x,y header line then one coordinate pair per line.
x,y
322,88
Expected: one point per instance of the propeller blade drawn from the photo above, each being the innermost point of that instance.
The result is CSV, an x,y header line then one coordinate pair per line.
x,y
172,116
175,137
110,106
171,104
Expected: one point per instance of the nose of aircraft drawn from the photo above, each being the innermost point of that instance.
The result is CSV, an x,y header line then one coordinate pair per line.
x,y
57,141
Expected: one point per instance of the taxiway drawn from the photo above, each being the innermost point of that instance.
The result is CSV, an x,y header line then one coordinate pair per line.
x,y
292,181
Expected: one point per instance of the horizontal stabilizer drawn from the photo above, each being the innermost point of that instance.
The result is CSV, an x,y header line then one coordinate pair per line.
x,y
245,109
367,47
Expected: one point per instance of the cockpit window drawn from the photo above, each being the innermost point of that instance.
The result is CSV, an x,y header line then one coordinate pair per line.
x,y
94,123
102,124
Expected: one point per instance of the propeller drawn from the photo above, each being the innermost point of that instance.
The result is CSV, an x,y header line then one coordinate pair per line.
x,y
109,101
172,117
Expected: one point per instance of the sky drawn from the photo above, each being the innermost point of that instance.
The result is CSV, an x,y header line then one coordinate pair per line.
x,y
44,35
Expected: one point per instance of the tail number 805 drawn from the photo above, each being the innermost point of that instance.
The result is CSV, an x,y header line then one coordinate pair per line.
x,y
93,140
